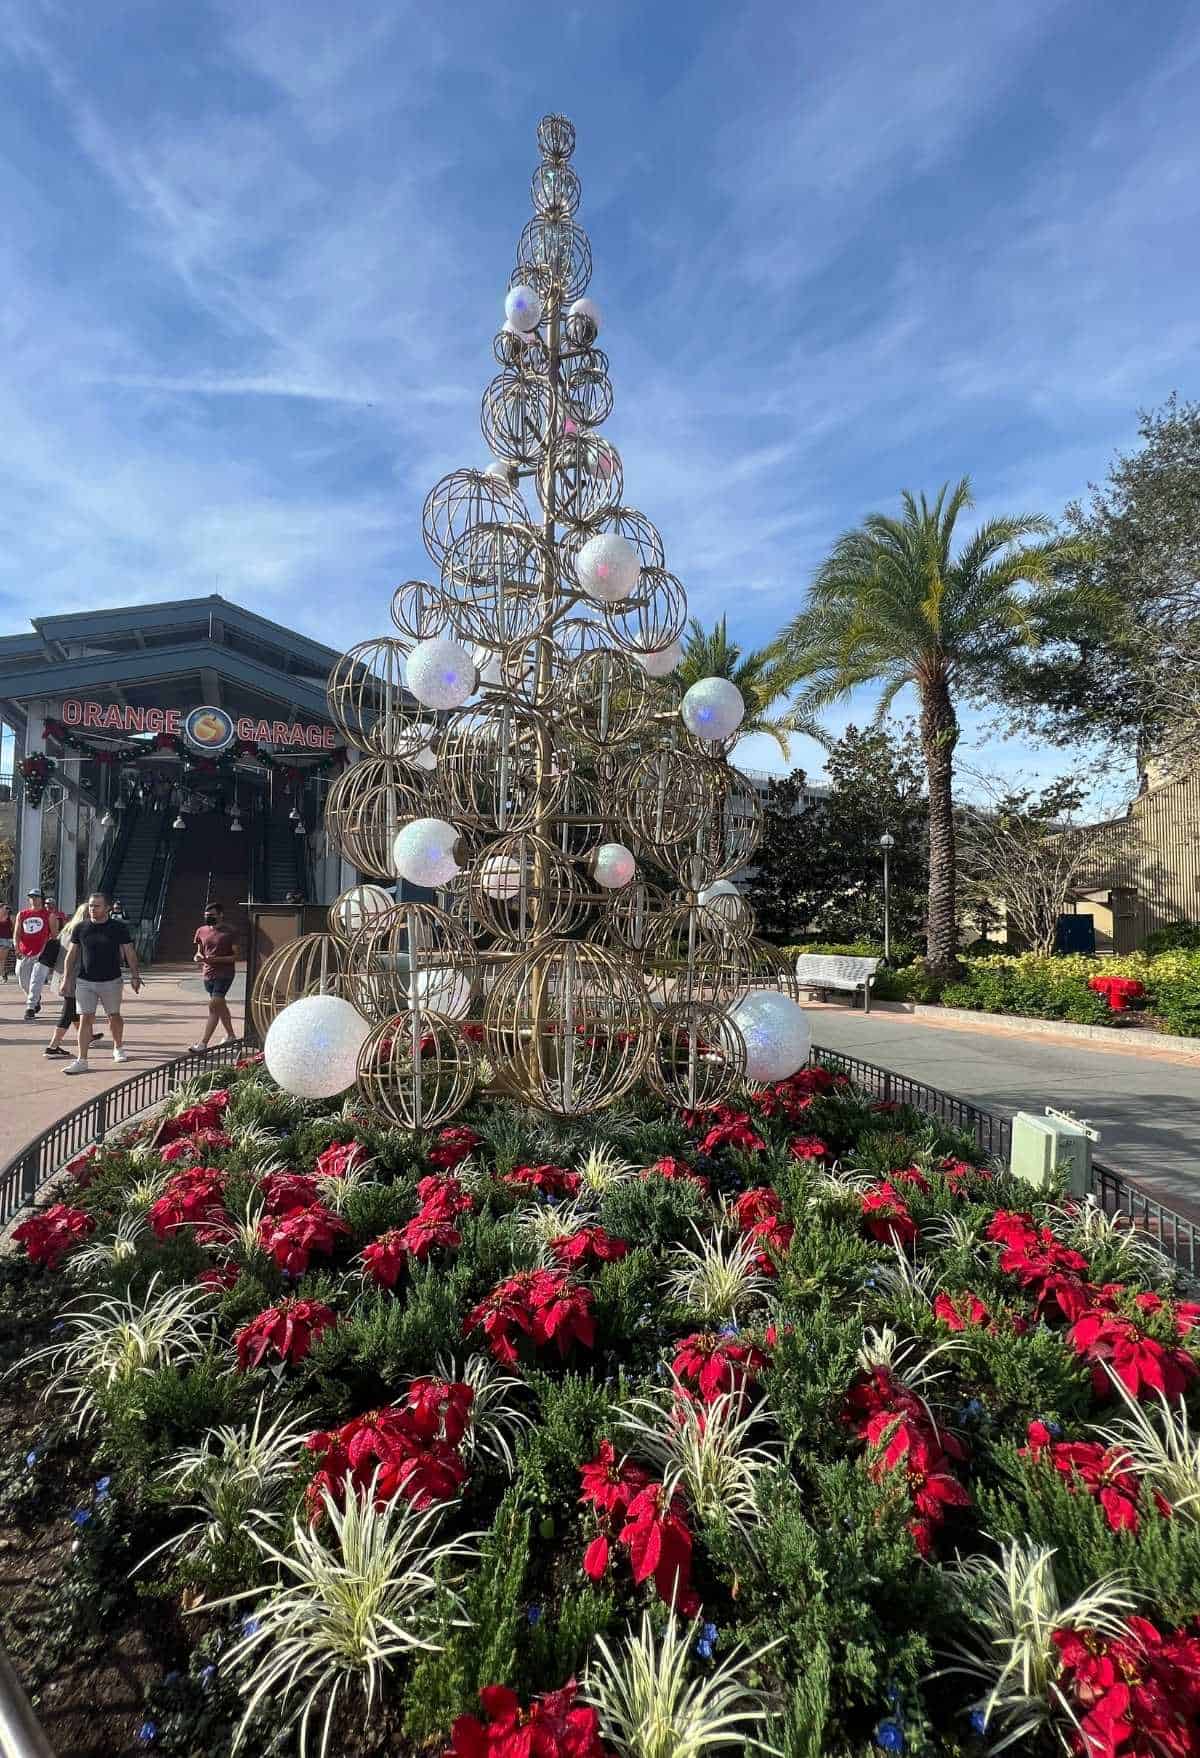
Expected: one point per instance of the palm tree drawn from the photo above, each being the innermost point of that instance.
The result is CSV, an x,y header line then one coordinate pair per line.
x,y
893,605
762,677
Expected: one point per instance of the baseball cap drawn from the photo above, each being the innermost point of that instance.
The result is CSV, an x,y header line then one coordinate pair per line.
x,y
36,891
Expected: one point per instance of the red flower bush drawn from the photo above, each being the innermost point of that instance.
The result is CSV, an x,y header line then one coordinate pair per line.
x,y
907,1446
1103,1472
678,1171
732,1129
339,1158
412,1446
442,1199
543,1305
1143,1365
288,1330
659,1543
287,1191
792,1097
550,1180
48,1237
222,1276
292,1239
452,1146
610,1484
912,1176
553,1726
715,1365
588,1244
1051,1271
206,1115
961,1311
885,1215
760,1204
195,1146
384,1258
82,1169
809,1147
773,1237
192,1197
1136,1695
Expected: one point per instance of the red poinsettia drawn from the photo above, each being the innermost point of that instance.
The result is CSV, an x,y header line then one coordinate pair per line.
x,y
339,1158
906,1444
1136,1695
912,1176
610,1484
194,1147
292,1238
452,1146
1104,1472
222,1276
550,1180
554,1726
809,1147
384,1258
420,1235
885,1215
543,1305
286,1191
588,1244
677,1171
773,1238
192,1197
48,1237
443,1198
793,1096
716,1364
206,1115
961,1311
753,1206
732,1129
409,1446
659,1543
957,1172
287,1330
82,1169
1142,1364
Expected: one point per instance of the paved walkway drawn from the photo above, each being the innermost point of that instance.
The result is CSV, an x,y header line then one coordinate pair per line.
x,y
161,1022
1146,1106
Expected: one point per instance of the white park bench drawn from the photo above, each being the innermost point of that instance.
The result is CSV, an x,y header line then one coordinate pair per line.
x,y
822,971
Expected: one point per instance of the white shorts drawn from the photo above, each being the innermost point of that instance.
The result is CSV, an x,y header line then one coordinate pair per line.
x,y
89,996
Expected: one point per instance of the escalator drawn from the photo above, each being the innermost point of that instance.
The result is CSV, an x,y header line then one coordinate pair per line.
x,y
129,870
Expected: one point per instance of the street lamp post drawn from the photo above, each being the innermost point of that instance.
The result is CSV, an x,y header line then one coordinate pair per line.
x,y
887,842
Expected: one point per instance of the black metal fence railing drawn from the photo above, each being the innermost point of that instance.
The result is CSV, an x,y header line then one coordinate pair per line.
x,y
993,1133
1173,1233
27,1172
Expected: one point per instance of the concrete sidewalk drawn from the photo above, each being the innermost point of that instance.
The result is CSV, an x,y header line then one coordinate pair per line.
x,y
1146,1106
161,1022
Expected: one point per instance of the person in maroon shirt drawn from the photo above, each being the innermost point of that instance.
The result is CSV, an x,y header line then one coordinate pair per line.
x,y
216,954
7,929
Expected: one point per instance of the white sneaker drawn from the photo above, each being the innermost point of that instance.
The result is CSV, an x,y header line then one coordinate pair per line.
x,y
79,1066
119,1054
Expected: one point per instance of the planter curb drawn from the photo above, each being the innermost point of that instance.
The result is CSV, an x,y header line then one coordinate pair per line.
x,y
1111,1037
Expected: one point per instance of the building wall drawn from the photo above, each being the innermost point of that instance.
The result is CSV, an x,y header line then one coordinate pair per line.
x,y
1145,868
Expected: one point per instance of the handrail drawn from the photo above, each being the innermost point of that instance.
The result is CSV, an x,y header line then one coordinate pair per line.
x,y
106,863
21,1735
157,887
27,1173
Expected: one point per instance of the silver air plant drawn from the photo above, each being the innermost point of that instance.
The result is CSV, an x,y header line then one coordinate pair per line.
x,y
236,1477
542,1223
497,1419
908,1361
114,1342
1090,1229
1160,1446
1012,1610
603,1168
650,1707
336,1192
99,1256
703,1449
719,1279
354,1595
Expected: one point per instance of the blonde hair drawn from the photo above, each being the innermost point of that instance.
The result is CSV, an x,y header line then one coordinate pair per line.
x,y
74,922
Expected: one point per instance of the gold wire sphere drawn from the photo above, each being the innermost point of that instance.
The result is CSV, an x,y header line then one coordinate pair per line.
x,y
697,1055
462,499
664,795
522,884
608,701
491,774
555,190
589,394
315,964
416,1071
413,959
356,907
730,833
652,617
556,137
369,704
493,579
562,249
419,610
630,914
694,957
368,803
587,478
568,1022
514,417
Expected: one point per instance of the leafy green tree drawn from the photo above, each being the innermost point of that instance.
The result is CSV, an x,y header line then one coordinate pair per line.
x,y
819,869
894,604
1122,660
763,680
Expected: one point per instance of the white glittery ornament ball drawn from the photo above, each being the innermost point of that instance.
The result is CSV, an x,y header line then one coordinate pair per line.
x,y
776,1032
661,663
360,905
311,1048
713,708
440,673
500,471
608,567
500,876
487,664
589,312
442,990
722,904
523,309
424,852
613,865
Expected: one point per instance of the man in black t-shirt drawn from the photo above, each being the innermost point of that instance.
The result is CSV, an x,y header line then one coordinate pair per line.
x,y
99,947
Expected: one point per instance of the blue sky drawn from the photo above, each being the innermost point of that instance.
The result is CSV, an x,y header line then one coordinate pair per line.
x,y
253,255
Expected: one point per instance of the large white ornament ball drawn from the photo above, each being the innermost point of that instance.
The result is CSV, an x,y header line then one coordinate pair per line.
x,y
523,309
312,1047
713,708
360,905
440,673
500,876
661,663
588,311
613,865
608,567
776,1032
424,852
722,904
442,990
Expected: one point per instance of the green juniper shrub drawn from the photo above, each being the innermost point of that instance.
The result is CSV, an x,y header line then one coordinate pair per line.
x,y
624,1295
656,1212
571,1417
562,1629
148,1415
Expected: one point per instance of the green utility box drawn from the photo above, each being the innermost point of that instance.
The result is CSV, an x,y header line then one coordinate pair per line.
x,y
1039,1144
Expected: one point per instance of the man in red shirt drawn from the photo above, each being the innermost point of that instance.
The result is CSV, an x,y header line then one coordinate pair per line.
x,y
34,929
216,954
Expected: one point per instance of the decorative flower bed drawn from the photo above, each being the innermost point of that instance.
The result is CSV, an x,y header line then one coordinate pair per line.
x,y
789,1425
